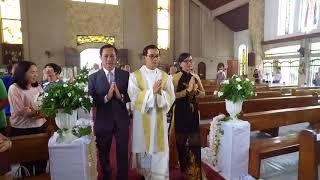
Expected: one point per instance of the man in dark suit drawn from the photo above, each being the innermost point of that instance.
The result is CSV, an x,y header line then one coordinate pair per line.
x,y
108,87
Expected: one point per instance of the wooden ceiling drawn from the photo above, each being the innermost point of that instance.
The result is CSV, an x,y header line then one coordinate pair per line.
x,y
214,4
236,19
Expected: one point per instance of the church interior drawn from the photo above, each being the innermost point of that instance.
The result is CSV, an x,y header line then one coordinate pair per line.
x,y
273,43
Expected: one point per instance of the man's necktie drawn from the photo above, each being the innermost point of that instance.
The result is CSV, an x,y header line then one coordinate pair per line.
x,y
110,77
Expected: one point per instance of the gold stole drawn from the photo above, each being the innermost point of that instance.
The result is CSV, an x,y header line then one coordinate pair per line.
x,y
146,118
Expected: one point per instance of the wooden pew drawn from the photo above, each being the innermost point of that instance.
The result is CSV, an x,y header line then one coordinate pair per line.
x,y
263,94
308,155
28,148
210,109
278,145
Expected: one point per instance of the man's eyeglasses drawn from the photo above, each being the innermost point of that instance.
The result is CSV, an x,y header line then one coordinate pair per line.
x,y
152,56
187,61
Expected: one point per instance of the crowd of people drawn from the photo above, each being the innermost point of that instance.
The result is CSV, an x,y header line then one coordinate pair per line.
x,y
152,94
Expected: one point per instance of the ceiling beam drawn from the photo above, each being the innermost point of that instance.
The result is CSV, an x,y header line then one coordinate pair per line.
x,y
200,4
228,7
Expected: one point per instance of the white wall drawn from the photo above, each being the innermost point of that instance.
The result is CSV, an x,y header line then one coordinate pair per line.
x,y
43,29
195,30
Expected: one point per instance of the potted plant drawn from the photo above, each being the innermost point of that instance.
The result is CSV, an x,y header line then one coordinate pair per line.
x,y
235,90
63,99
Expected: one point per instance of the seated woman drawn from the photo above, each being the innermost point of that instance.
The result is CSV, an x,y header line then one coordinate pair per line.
x,y
5,143
22,97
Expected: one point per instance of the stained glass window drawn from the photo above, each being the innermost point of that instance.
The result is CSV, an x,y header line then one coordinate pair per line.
x,y
163,19
242,55
10,9
82,39
11,30
112,2
11,21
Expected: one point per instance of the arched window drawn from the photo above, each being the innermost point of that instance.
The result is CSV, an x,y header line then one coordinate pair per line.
x,y
163,21
89,57
242,56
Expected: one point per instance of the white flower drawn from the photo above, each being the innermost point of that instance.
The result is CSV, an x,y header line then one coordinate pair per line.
x,y
238,79
91,99
52,99
225,82
256,94
234,76
247,79
220,94
77,84
46,94
251,93
86,89
65,85
239,87
69,94
215,92
80,99
252,82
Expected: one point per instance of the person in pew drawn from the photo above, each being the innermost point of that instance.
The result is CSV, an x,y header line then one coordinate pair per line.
x,y
316,80
7,80
22,97
152,95
5,143
52,72
277,76
3,104
185,131
108,88
221,75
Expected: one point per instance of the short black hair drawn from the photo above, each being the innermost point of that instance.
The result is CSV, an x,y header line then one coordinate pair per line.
x,y
220,65
20,73
108,46
56,68
151,46
183,56
10,66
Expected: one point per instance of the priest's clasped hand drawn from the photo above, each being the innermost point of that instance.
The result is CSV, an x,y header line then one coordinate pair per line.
x,y
157,87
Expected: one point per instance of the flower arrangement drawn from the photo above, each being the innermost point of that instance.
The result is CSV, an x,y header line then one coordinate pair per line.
x,y
236,89
215,135
67,96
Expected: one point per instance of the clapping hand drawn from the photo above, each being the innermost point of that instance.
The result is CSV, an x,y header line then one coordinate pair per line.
x,y
191,84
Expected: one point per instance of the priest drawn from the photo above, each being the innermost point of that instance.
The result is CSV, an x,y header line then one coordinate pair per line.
x,y
152,94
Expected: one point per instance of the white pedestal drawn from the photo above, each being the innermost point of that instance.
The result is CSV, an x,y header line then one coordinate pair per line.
x,y
233,156
70,161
